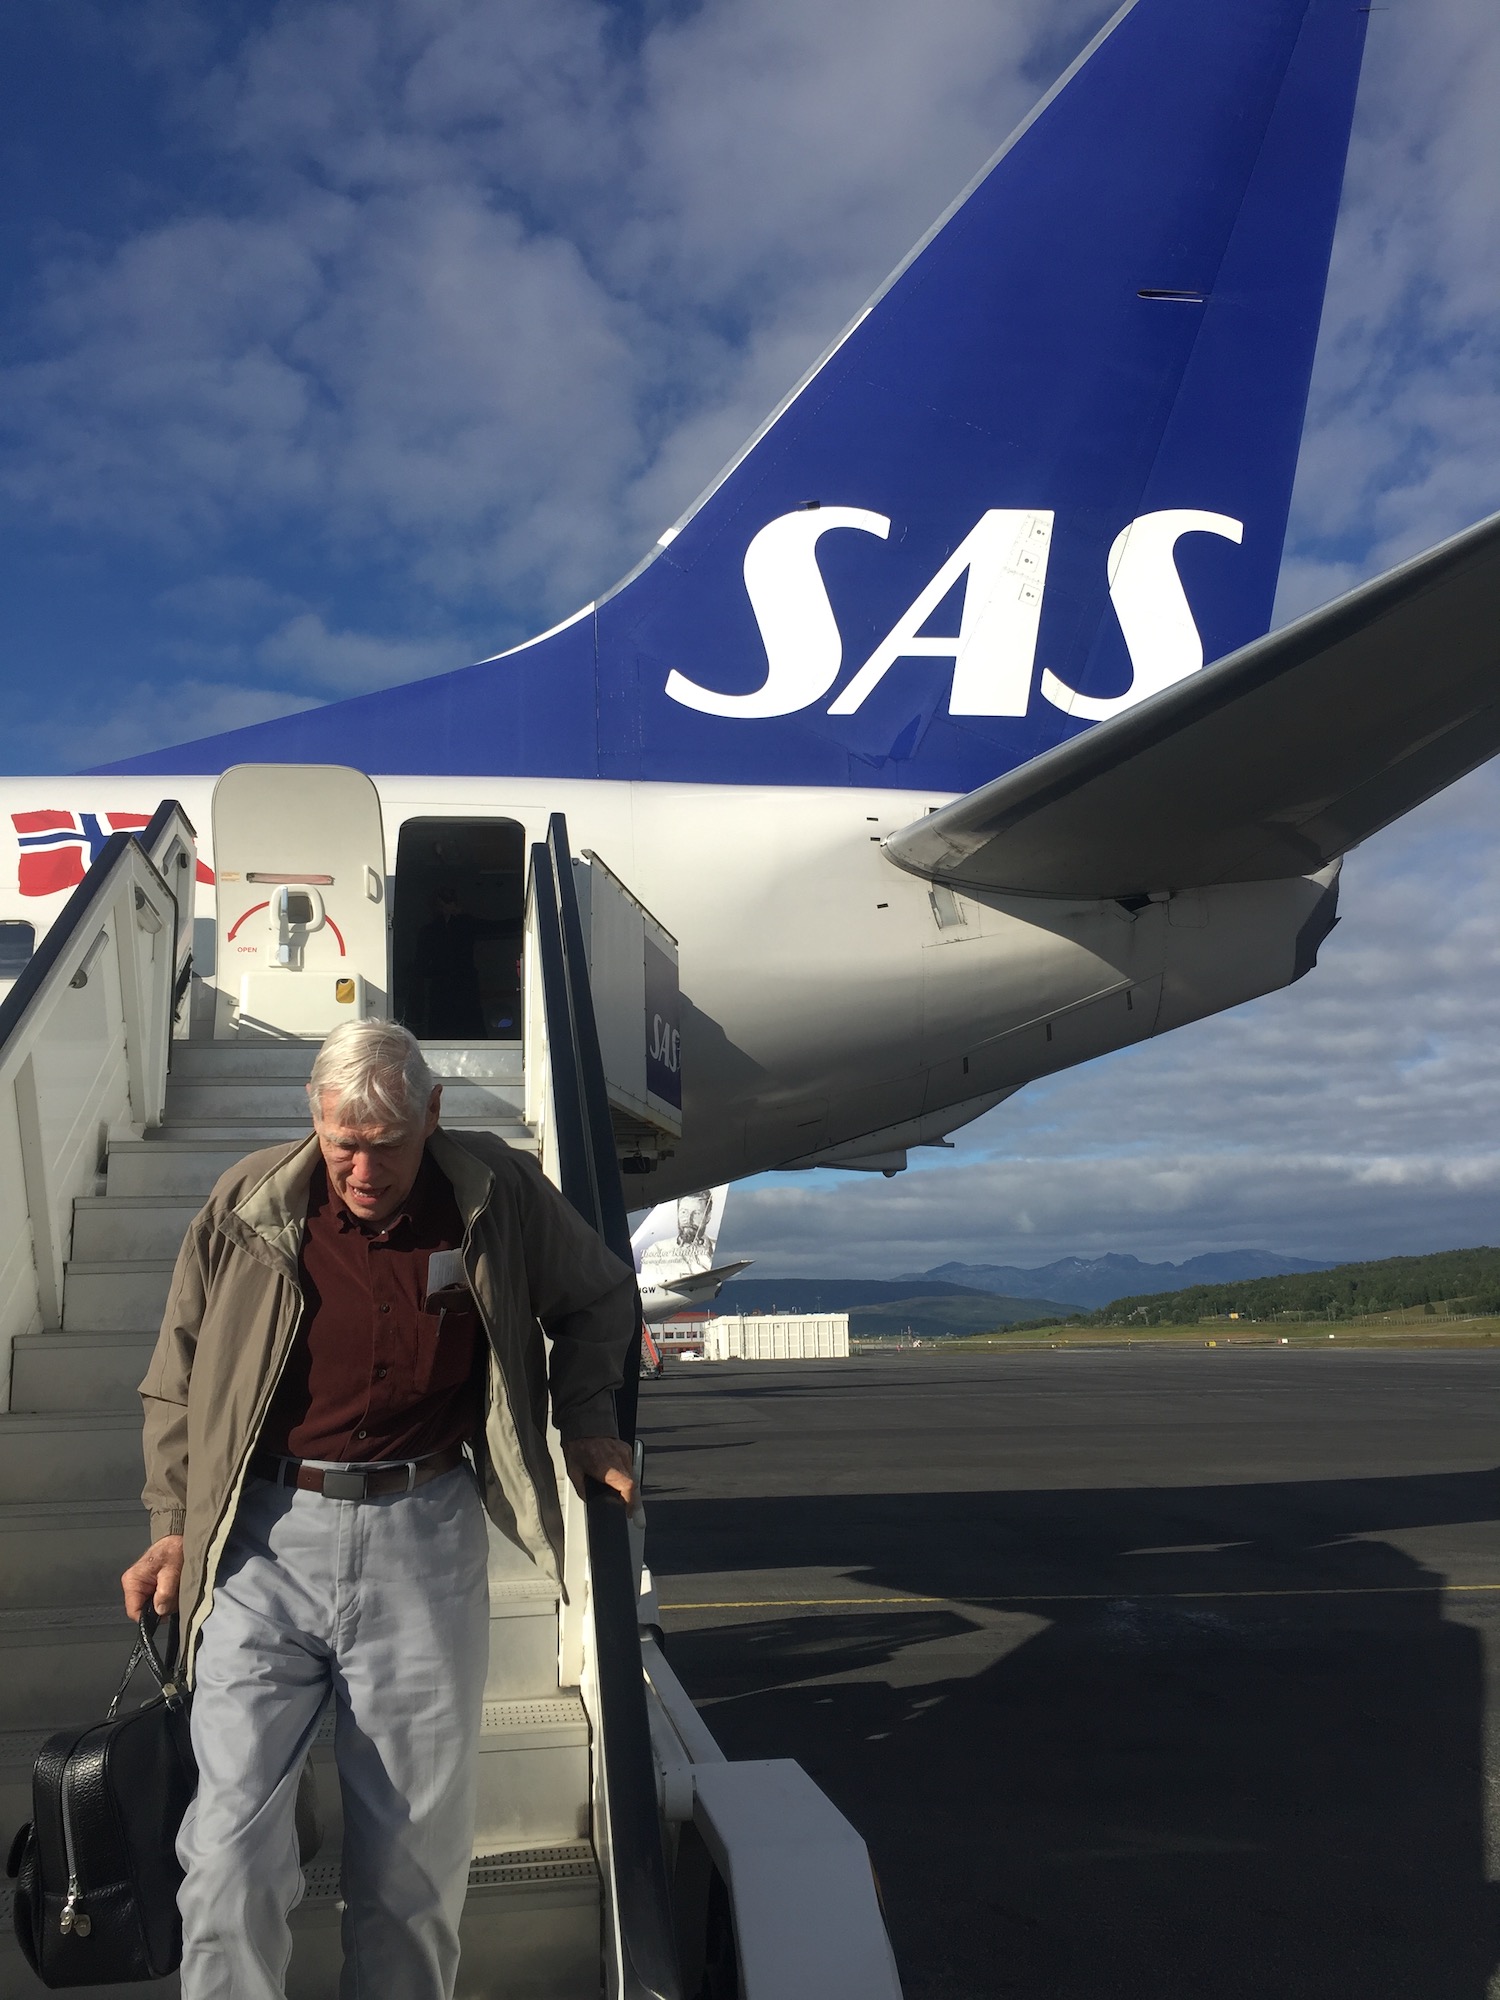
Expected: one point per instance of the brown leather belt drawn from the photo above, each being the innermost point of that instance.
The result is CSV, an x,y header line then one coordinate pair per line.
x,y
355,1482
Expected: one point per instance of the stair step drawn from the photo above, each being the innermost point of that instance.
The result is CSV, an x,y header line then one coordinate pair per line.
x,y
291,1061
260,1100
62,1552
84,1455
495,1062
117,1297
53,1372
533,1775
107,1228
61,1664
530,1928
248,1134
523,1642
533,1772
186,1159
274,1062
162,1167
237,1100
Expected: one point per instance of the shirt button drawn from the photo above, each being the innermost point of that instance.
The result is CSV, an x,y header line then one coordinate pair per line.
x,y
363,1434
380,1373
385,1309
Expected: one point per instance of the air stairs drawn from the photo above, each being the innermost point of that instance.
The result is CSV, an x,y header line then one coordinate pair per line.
x,y
534,1890
618,1856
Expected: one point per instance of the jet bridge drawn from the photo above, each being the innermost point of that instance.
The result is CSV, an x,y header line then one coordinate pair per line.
x,y
617,1852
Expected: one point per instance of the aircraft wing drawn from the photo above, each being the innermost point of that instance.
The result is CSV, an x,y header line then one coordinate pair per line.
x,y
1272,762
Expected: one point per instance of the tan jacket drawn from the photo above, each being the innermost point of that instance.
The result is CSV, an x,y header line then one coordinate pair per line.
x,y
236,1304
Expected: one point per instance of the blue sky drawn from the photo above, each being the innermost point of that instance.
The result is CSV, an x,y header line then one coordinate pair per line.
x,y
343,344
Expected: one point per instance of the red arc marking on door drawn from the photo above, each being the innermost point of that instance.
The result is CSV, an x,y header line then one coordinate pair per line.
x,y
249,913
343,949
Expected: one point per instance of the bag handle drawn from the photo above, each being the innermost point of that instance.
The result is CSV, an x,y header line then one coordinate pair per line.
x,y
161,1667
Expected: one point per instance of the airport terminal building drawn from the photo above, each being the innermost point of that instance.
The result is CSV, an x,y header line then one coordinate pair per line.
x,y
777,1337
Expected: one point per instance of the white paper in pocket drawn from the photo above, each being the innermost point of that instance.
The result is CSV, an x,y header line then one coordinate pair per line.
x,y
447,1287
445,1269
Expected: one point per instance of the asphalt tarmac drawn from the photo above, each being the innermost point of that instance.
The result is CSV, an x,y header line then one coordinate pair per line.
x,y
1141,1672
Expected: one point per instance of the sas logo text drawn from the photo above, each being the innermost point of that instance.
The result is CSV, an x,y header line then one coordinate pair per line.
x,y
1002,564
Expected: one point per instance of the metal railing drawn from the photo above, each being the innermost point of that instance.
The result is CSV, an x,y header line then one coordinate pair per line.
x,y
582,1139
85,1046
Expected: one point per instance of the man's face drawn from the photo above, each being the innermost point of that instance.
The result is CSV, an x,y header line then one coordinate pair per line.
x,y
370,1167
692,1217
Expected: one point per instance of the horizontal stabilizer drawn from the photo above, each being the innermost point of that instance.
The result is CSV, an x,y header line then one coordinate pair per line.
x,y
705,1284
1270,763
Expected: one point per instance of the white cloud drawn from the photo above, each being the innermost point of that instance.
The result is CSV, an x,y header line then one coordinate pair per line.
x,y
481,297
150,713
306,653
1403,441
486,292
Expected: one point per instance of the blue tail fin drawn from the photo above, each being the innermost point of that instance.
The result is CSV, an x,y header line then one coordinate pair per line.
x,y
1046,473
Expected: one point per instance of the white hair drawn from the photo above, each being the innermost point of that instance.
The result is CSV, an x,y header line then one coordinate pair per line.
x,y
375,1074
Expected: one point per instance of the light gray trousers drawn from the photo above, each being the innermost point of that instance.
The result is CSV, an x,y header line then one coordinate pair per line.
x,y
384,1602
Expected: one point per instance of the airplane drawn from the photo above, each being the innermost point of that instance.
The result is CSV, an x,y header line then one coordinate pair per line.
x,y
674,1254
945,732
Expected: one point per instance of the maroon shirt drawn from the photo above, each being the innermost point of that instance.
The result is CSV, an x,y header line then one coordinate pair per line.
x,y
372,1374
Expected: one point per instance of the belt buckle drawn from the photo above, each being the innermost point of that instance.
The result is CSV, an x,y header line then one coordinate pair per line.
x,y
344,1485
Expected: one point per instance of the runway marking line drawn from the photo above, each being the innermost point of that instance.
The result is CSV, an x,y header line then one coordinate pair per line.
x,y
1088,1597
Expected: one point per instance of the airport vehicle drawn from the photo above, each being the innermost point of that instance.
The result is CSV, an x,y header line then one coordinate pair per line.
x,y
895,779
674,1254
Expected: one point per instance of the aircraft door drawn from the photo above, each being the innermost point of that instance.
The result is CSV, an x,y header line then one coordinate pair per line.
x,y
299,855
460,899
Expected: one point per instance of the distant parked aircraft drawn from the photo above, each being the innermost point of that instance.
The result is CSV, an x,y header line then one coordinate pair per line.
x,y
674,1254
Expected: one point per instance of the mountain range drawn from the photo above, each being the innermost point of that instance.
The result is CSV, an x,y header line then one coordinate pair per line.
x,y
969,1298
888,1305
1097,1281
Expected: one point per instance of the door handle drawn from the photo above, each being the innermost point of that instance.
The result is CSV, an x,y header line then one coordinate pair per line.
x,y
373,884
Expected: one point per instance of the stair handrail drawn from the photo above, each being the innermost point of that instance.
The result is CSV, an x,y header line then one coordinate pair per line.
x,y
35,977
171,842
589,1174
85,1040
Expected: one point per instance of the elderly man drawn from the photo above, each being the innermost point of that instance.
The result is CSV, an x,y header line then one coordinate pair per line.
x,y
350,1358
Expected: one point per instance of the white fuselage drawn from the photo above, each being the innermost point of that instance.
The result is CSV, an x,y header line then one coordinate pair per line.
x,y
659,1302
834,1007
686,1292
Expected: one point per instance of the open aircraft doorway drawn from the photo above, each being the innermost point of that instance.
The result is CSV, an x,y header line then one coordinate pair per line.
x,y
457,925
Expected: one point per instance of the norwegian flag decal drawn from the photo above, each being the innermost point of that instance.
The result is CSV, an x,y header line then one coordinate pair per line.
x,y
57,847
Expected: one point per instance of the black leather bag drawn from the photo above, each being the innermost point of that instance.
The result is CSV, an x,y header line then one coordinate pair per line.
x,y
96,1870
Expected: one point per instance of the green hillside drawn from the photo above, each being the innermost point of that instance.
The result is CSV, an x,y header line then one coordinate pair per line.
x,y
887,1305
1466,1281
945,1314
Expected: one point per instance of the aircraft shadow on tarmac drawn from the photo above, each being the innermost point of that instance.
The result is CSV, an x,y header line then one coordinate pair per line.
x,y
1081,1779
